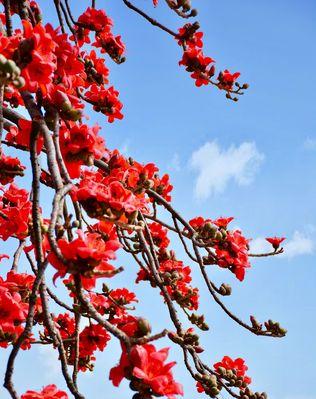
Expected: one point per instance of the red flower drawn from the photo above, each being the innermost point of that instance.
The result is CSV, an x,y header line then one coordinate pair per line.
x,y
9,168
105,196
227,79
176,278
37,58
94,19
96,69
65,325
238,365
49,392
232,253
15,210
223,222
87,255
14,295
147,365
80,145
105,101
187,35
275,241
21,135
195,61
110,44
159,235
93,337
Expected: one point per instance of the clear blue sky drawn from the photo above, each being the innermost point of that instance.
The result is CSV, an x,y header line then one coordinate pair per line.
x,y
167,119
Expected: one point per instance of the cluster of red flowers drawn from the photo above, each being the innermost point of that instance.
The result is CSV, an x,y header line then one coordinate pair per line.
x,y
47,60
175,275
233,371
177,278
86,255
104,197
101,24
119,193
80,145
15,210
230,246
113,303
21,135
237,366
48,392
145,367
92,338
14,295
201,67
9,168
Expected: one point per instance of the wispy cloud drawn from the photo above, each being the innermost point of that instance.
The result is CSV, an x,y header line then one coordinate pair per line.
x,y
49,360
217,166
259,246
310,144
300,244
175,163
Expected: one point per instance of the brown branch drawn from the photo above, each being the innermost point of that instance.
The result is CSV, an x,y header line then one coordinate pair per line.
x,y
149,19
17,255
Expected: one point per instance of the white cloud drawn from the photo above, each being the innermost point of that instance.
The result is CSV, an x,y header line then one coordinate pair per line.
x,y
259,246
175,163
49,358
217,166
300,244
310,144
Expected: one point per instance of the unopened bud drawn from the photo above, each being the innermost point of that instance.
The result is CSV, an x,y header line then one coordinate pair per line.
x,y
144,326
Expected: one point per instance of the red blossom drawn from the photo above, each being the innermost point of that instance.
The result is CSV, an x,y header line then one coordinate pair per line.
x,y
147,365
105,101
238,366
110,44
14,295
86,255
80,145
227,79
9,168
21,135
104,196
48,392
159,235
275,241
94,19
15,210
232,253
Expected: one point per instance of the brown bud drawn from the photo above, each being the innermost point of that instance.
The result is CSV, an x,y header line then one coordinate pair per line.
x,y
194,12
144,326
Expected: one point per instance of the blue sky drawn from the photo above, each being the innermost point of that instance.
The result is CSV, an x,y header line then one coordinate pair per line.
x,y
263,148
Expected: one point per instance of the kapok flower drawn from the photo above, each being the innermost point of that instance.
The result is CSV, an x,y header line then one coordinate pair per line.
x,y
48,392
86,255
275,241
105,100
238,366
148,367
227,79
9,168
80,145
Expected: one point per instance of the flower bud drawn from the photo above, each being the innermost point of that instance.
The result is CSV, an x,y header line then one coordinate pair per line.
x,y
143,326
214,391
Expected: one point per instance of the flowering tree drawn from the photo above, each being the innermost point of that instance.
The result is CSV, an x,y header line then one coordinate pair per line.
x,y
103,203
